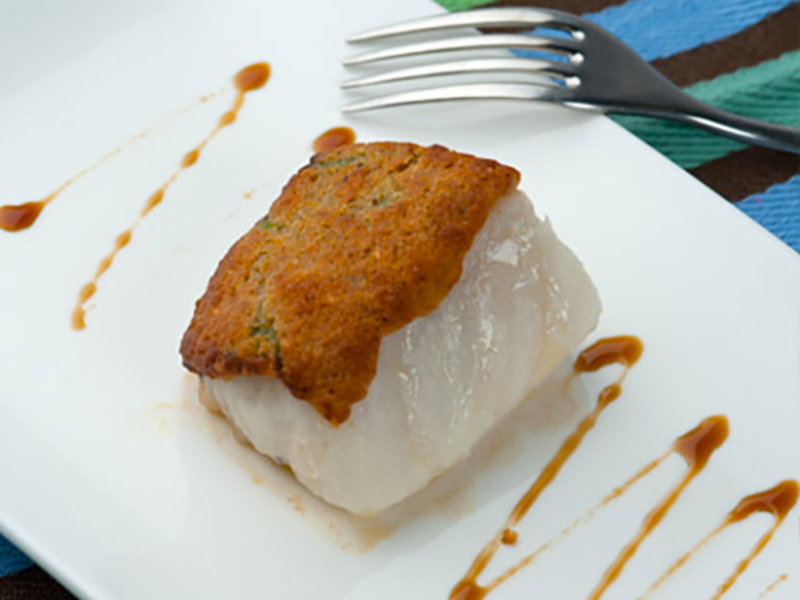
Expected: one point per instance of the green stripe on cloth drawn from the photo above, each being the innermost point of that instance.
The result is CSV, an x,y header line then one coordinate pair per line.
x,y
767,92
455,5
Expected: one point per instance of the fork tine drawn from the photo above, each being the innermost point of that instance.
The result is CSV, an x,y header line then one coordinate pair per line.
x,y
492,17
501,41
473,91
561,70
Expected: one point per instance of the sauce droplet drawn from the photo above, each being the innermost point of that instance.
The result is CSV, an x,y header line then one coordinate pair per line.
x,y
334,138
190,158
227,118
510,537
16,217
624,350
777,501
697,445
153,201
252,77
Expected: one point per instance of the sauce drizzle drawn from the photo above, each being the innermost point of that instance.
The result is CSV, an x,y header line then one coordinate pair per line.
x,y
696,447
623,350
17,217
334,138
779,580
585,518
777,501
247,80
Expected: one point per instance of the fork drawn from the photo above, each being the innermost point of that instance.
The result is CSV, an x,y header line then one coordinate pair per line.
x,y
596,72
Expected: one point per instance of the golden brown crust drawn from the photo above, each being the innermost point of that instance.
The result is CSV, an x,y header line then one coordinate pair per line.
x,y
360,242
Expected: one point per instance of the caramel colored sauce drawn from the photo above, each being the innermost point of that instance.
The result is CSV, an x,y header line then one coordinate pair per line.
x,y
696,447
624,350
334,138
682,561
247,80
777,501
700,436
252,77
154,200
771,587
227,118
190,158
467,589
200,101
16,217
621,350
583,519
89,289
509,537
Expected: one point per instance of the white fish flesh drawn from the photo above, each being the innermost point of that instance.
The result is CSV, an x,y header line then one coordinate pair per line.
x,y
523,303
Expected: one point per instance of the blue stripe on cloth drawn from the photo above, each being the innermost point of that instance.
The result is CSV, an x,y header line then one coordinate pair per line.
x,y
659,28
11,559
778,210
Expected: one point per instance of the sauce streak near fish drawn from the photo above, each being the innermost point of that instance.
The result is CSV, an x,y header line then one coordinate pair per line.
x,y
246,80
623,350
696,448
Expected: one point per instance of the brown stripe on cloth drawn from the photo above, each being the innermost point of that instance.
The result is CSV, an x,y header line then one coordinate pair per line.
x,y
32,584
767,39
749,171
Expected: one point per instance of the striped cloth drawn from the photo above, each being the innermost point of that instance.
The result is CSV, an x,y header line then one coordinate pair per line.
x,y
740,55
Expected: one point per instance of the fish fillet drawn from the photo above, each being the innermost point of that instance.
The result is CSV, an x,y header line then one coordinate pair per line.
x,y
522,304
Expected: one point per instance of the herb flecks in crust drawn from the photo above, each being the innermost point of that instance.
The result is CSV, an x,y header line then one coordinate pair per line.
x,y
360,242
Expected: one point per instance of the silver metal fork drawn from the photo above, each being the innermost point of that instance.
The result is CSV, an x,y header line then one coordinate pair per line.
x,y
597,72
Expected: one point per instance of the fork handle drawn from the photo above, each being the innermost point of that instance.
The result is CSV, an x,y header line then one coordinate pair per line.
x,y
735,127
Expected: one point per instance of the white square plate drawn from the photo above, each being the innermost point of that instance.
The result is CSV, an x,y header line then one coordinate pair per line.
x,y
121,486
